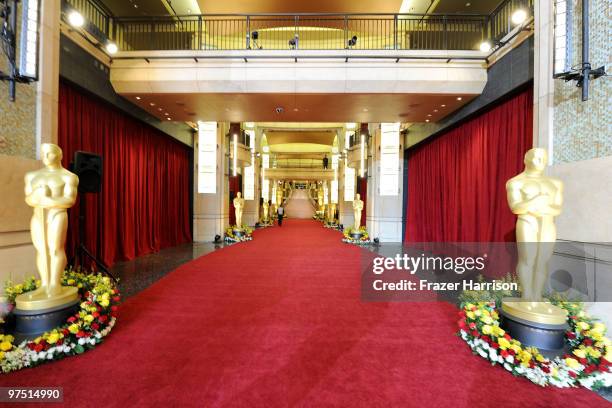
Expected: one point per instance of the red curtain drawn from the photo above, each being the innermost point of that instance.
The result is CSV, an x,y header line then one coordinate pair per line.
x,y
144,203
456,182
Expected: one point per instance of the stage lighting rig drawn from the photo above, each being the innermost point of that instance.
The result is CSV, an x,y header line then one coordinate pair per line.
x,y
26,69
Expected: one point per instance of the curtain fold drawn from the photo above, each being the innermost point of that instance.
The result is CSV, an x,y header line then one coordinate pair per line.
x,y
456,182
144,203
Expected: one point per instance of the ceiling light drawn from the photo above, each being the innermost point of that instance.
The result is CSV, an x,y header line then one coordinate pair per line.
x,y
426,120
443,106
519,16
365,109
138,98
111,48
429,115
168,118
485,46
160,109
435,110
75,19
152,103
459,98
166,113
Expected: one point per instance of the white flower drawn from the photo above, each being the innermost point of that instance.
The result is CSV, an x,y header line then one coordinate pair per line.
x,y
510,359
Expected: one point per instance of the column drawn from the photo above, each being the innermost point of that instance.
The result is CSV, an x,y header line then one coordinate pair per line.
x,y
384,204
47,88
211,209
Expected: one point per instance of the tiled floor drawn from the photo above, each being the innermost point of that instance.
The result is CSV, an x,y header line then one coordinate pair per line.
x,y
142,272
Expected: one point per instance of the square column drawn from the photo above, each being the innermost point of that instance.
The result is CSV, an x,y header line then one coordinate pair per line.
x,y
211,210
385,209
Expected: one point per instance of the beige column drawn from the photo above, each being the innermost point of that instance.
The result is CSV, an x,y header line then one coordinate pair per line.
x,y
543,85
47,95
211,211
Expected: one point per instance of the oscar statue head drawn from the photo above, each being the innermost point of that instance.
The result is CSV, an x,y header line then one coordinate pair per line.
x,y
536,160
357,196
239,194
51,155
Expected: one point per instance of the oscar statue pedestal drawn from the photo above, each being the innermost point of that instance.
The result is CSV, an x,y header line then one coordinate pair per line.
x,y
35,313
536,324
356,235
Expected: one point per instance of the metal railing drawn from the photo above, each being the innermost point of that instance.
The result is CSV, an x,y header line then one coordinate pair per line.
x,y
305,31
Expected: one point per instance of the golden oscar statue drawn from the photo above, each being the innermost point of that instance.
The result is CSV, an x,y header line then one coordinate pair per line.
x,y
238,207
266,211
50,191
279,196
357,208
536,199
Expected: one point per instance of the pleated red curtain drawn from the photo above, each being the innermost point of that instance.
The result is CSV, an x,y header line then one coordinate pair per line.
x,y
456,182
144,203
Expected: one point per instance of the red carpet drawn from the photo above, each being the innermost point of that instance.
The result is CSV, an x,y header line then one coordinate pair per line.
x,y
279,322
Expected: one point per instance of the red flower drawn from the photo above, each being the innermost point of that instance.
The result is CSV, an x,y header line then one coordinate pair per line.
x,y
95,314
570,335
95,326
588,342
81,333
507,336
116,299
103,318
546,369
603,368
65,332
583,361
504,353
462,324
114,308
495,345
38,347
512,352
572,374
590,368
487,339
474,308
71,319
474,333
462,313
472,326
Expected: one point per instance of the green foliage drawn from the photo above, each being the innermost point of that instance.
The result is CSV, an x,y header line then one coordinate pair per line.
x,y
478,296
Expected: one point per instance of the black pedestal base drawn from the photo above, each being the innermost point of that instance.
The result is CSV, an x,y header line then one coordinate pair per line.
x,y
30,324
548,338
356,235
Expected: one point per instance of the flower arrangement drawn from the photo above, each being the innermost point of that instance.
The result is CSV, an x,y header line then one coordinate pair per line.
x,y
82,331
364,240
231,237
588,362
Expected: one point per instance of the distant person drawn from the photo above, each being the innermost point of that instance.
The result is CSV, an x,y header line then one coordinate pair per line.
x,y
280,212
325,162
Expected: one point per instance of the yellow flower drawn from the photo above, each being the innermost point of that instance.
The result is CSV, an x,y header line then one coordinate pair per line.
x,y
583,326
477,312
70,281
503,343
572,363
18,288
499,332
104,302
73,328
5,346
598,327
1,355
53,338
494,315
470,315
525,356
540,358
595,335
486,329
579,353
516,348
486,320
8,337
593,352
88,318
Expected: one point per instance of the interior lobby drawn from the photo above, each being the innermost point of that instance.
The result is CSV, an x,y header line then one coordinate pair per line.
x,y
309,203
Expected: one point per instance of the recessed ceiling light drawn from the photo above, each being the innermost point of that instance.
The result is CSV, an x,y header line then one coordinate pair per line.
x,y
166,113
429,115
485,46
435,110
519,16
152,103
295,109
426,120
188,11
443,106
160,109
75,19
169,118
135,5
468,4
459,98
138,97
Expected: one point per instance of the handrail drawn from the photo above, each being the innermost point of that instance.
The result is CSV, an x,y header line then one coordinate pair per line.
x,y
303,31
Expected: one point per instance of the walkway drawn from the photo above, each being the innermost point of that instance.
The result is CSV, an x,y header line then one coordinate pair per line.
x,y
279,322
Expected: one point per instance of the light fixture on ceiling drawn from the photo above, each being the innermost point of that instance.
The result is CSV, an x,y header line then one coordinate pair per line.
x,y
138,98
426,120
75,19
160,109
111,48
519,16
152,103
459,98
443,106
485,46
435,110
166,114
168,118
429,115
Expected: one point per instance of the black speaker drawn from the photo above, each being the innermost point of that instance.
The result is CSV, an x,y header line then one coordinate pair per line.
x,y
88,166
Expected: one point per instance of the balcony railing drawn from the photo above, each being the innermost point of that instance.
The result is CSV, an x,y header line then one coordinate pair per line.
x,y
304,31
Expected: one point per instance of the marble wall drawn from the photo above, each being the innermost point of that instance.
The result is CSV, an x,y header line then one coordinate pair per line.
x,y
583,130
17,119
